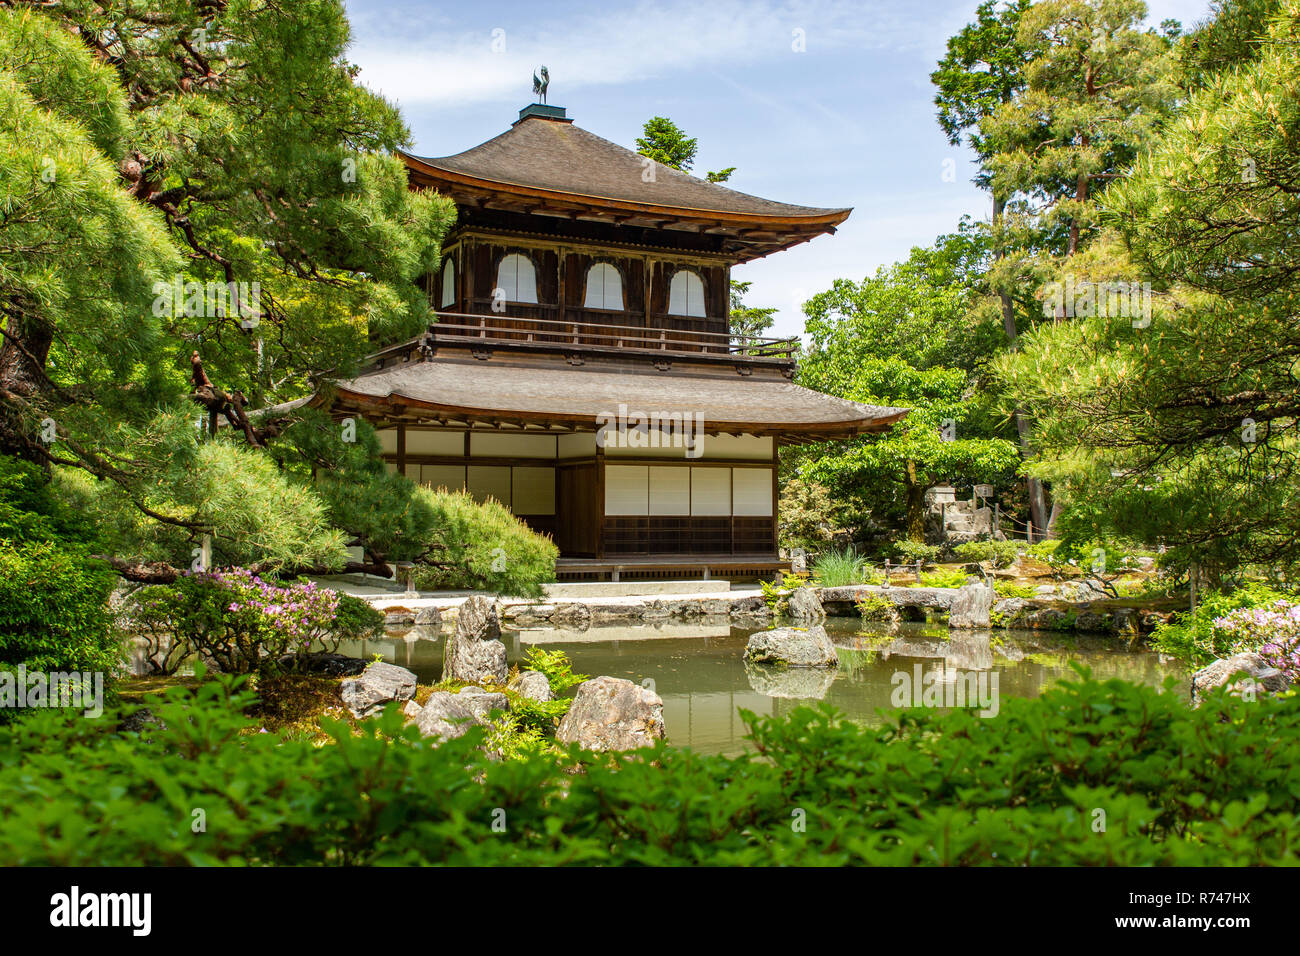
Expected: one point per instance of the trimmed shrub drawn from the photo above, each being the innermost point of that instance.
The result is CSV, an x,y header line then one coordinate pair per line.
x,y
483,546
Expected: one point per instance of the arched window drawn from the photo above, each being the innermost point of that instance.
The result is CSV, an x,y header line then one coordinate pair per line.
x,y
448,283
604,287
686,294
517,278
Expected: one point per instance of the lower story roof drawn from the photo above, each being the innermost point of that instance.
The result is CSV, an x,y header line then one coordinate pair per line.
x,y
555,394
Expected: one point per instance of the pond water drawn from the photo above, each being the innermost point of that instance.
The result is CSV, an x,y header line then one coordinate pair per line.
x,y
700,673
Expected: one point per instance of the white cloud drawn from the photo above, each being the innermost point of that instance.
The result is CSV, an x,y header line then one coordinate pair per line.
x,y
419,58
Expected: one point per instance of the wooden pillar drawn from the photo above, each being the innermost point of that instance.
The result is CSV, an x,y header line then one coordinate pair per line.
x,y
598,511
646,279
467,274
562,271
401,449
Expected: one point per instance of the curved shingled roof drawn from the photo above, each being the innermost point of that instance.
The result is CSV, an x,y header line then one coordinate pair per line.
x,y
554,155
558,394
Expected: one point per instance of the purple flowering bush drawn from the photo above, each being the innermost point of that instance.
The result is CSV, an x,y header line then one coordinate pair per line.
x,y
1272,631
241,622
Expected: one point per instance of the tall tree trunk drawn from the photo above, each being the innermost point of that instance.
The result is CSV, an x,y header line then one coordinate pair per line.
x,y
915,505
1038,520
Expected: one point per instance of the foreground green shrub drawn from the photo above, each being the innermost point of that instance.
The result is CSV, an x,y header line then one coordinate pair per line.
x,y
1090,773
54,610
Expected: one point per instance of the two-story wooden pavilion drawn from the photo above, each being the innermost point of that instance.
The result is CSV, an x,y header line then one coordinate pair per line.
x,y
581,370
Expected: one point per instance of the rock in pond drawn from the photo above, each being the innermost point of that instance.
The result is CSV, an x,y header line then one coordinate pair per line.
x,y
805,607
446,715
377,685
970,606
532,684
609,713
573,616
1220,672
793,647
428,617
474,651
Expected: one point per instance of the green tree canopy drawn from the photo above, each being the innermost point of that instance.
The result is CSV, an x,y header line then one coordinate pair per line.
x,y
911,336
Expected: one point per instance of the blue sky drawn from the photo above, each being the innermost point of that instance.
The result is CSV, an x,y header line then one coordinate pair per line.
x,y
849,121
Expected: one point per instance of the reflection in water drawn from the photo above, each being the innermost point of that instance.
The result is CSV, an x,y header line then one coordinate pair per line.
x,y
699,670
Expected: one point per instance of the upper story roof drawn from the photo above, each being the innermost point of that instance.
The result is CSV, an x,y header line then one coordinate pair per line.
x,y
544,165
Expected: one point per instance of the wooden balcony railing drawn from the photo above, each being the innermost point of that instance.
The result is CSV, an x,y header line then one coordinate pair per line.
x,y
453,328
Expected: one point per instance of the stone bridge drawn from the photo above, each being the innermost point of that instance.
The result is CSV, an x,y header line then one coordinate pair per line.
x,y
967,606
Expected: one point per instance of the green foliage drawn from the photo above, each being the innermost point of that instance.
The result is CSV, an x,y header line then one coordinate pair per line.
x,y
841,567
747,319
1194,638
555,666
665,142
1010,589
482,545
242,623
913,551
876,608
1002,554
1044,550
808,515
54,610
944,578
1183,430
53,595
355,619
914,336
983,68
1206,787
776,593
238,133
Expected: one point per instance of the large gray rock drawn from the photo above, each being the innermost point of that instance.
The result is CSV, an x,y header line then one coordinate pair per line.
x,y
615,613
446,715
793,647
1220,672
474,651
970,606
377,685
1085,590
804,607
573,616
532,684
428,616
527,615
609,713
795,683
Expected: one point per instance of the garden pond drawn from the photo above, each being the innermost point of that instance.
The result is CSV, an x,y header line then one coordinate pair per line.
x,y
700,672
